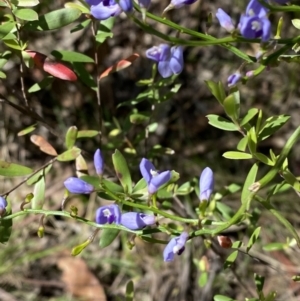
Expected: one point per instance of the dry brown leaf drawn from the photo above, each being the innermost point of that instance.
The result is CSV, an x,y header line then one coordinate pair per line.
x,y
80,281
43,144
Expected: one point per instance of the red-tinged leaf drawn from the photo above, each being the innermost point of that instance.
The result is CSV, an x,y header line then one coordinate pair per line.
x,y
38,58
122,64
59,70
55,69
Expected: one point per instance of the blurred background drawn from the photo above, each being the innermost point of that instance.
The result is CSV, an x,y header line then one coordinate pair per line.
x,y
34,269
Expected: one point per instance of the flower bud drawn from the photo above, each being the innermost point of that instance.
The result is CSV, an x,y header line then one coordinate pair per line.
x,y
99,162
206,183
78,186
224,241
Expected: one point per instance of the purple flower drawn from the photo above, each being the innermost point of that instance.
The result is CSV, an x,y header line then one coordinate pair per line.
x,y
225,20
233,79
126,5
75,185
135,221
180,3
206,184
104,9
175,246
99,162
255,27
3,204
108,214
153,178
144,3
254,8
170,60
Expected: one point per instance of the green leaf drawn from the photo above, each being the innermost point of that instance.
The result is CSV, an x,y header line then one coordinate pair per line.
x,y
79,6
8,169
81,25
203,279
122,171
296,23
140,185
6,28
26,14
28,3
231,259
221,123
69,155
54,19
252,140
35,178
2,75
253,238
138,118
232,106
272,125
107,237
185,189
84,76
222,298
237,155
45,82
87,134
249,181
264,159
259,282
14,44
217,90
6,225
291,179
274,246
129,291
242,144
27,130
249,116
38,199
104,30
72,56
71,137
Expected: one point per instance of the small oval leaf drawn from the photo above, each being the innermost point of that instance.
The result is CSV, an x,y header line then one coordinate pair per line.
x,y
8,169
107,237
69,155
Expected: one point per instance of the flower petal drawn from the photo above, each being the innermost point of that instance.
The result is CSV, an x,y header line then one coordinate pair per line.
x,y
135,221
145,167
176,61
158,180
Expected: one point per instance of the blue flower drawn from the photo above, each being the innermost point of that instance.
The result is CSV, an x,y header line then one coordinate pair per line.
x,y
75,185
135,221
108,214
206,184
99,162
170,60
175,246
255,27
144,3
153,178
254,8
3,204
104,9
180,3
233,79
225,20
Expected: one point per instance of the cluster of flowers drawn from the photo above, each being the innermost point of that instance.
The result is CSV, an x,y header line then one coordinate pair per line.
x,y
136,220
254,23
104,9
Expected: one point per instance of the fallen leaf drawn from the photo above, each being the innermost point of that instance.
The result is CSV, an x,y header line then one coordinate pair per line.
x,y
80,281
43,144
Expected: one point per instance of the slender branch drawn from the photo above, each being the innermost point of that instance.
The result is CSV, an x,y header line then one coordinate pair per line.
x,y
27,178
99,103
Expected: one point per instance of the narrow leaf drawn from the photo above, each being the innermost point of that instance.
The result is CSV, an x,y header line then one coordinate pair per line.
x,y
253,238
237,155
69,155
38,199
249,181
221,123
43,144
107,237
8,169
